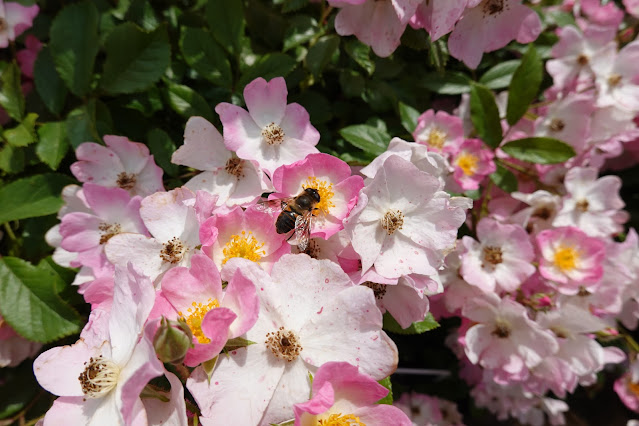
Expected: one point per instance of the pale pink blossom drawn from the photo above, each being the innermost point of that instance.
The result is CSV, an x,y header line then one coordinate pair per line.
x,y
122,163
14,348
472,163
632,7
544,206
332,179
310,314
16,19
616,78
27,56
213,315
233,180
425,410
438,18
491,25
403,222
626,386
343,395
568,119
270,132
440,132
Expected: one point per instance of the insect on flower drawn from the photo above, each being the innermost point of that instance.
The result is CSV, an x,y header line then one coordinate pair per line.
x,y
296,213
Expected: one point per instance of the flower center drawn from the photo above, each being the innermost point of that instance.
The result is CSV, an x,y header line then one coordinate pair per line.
x,y
341,420
543,212
273,134
284,344
126,180
196,315
378,289
392,221
325,191
502,329
107,231
174,250
566,258
633,387
582,205
436,138
468,163
614,80
582,60
244,245
99,377
493,6
3,25
556,125
235,167
493,255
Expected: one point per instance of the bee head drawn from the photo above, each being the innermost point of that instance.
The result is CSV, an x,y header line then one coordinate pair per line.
x,y
313,193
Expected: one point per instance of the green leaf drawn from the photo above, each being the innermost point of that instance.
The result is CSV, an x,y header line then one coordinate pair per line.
x,y
186,102
451,83
428,324
30,303
268,66
361,54
11,159
500,76
302,29
135,59
53,144
162,147
48,83
408,115
226,22
34,196
388,399
485,115
504,179
368,138
11,97
293,5
74,44
236,343
81,126
438,54
320,54
202,52
24,133
18,389
525,85
539,150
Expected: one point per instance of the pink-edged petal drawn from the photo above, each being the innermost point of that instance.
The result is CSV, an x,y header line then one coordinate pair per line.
x,y
293,388
348,383
133,155
81,411
167,215
98,164
266,101
143,251
57,370
215,326
241,133
182,286
203,147
172,412
381,415
296,124
241,298
323,399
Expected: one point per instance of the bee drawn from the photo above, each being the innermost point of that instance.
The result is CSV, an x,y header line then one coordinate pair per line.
x,y
296,213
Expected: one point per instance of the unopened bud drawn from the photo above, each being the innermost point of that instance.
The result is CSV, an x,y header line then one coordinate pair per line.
x,y
172,340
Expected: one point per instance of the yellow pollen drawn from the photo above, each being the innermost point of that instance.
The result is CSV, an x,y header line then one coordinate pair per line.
x,y
244,245
341,420
325,191
468,163
436,138
196,315
633,387
566,258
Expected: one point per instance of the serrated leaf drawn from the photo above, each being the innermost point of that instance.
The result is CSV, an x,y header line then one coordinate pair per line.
x,y
11,97
226,22
34,196
24,133
485,115
388,399
48,83
450,83
236,343
361,54
500,75
74,44
539,150
302,29
187,102
135,59
429,323
162,147
504,179
30,304
53,144
202,52
408,116
11,159
268,66
81,125
367,138
320,54
525,85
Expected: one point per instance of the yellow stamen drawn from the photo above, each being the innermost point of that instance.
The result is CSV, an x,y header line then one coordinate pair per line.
x,y
245,246
196,315
341,420
566,258
468,163
325,191
436,138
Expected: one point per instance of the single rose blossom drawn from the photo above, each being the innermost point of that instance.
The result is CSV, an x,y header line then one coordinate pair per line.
x,y
27,56
14,20
438,18
472,163
440,132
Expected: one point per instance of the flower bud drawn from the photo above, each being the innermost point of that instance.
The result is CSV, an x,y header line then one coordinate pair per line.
x,y
172,340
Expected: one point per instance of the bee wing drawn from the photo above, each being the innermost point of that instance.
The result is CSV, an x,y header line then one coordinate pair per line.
x,y
273,206
303,224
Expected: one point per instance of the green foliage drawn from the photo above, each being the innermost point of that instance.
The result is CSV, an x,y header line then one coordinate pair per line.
x,y
53,144
34,196
500,76
11,97
539,150
388,399
524,86
429,323
485,115
372,140
408,116
48,83
504,179
202,52
226,22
